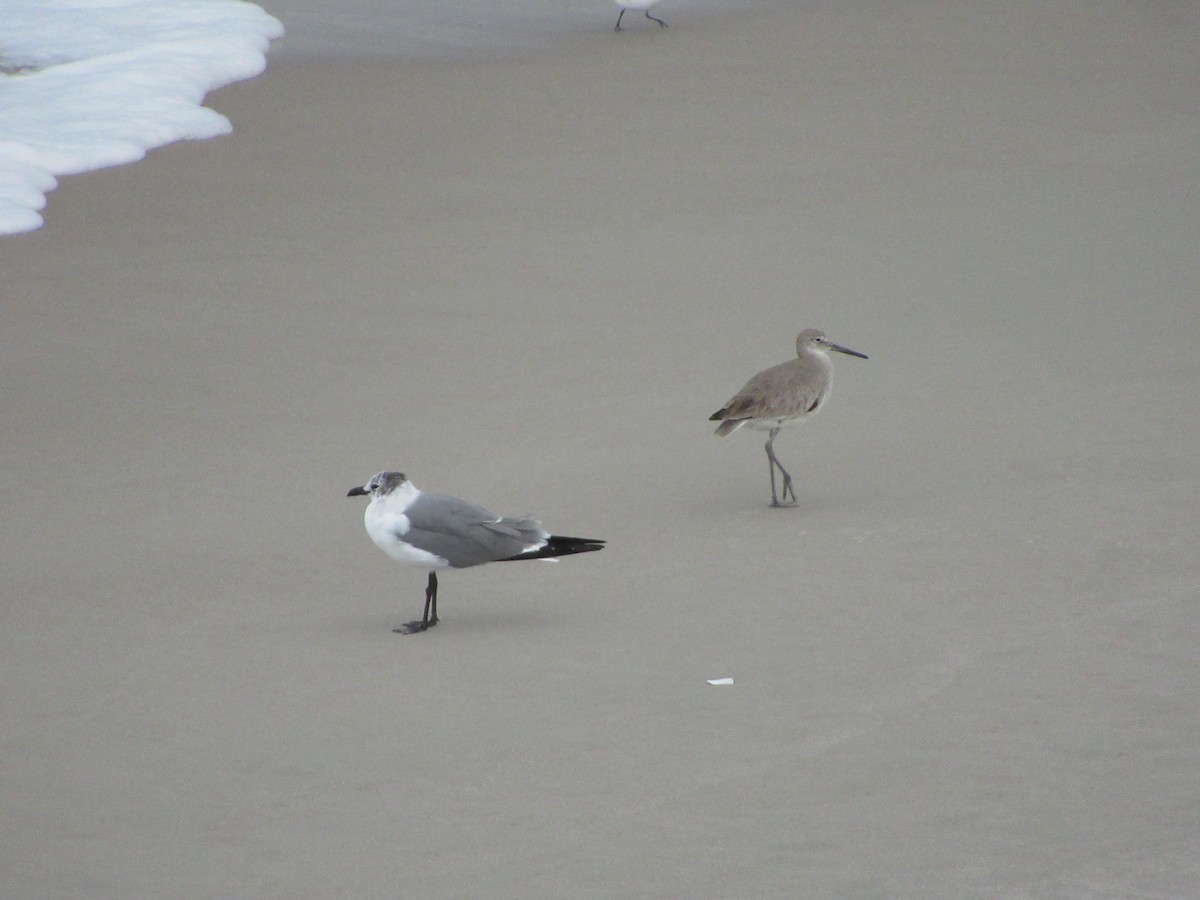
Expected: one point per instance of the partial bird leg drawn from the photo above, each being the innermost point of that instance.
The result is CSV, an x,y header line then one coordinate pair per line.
x,y
427,621
618,28
661,23
771,472
774,463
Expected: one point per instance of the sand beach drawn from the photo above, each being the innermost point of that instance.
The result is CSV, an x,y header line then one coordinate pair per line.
x,y
967,664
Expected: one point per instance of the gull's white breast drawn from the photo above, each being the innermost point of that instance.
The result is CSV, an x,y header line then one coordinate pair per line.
x,y
387,527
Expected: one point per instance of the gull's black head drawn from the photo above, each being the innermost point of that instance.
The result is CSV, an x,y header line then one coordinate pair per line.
x,y
379,486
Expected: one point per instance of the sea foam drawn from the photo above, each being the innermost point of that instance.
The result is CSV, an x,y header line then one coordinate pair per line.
x,y
88,84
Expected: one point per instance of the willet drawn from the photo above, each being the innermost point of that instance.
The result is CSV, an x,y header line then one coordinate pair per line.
x,y
644,5
783,395
435,531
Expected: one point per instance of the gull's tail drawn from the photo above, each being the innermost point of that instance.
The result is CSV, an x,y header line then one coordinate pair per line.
x,y
557,545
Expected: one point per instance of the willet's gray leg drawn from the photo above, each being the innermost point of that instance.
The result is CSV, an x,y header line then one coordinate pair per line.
x,y
427,621
771,470
619,15
661,23
787,479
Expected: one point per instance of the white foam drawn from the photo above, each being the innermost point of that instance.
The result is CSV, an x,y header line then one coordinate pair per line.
x,y
97,83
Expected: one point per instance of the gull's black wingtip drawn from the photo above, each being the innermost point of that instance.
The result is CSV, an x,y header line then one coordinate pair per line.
x,y
560,545
564,542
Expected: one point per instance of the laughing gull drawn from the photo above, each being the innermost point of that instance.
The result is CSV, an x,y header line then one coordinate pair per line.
x,y
436,531
644,5
783,395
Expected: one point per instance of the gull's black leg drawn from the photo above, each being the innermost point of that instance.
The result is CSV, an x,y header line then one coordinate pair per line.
x,y
619,15
661,23
432,601
427,620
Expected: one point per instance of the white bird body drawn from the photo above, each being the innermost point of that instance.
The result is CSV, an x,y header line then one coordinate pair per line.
x,y
643,6
490,538
437,531
386,522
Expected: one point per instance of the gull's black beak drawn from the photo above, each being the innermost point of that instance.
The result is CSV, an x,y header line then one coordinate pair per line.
x,y
359,491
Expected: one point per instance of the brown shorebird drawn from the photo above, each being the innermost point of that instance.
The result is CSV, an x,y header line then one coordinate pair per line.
x,y
783,395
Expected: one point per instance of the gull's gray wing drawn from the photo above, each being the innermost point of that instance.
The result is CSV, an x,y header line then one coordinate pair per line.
x,y
464,534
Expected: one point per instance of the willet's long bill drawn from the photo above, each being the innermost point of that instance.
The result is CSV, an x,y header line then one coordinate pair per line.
x,y
783,395
644,5
436,531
